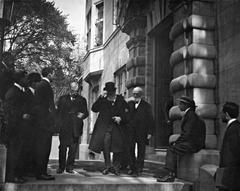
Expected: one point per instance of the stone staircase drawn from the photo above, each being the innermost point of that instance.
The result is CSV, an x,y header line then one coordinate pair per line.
x,y
88,177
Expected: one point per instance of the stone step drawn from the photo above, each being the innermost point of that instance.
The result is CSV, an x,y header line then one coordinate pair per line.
x,y
68,182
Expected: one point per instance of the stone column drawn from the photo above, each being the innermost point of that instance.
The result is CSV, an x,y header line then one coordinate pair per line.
x,y
193,61
135,28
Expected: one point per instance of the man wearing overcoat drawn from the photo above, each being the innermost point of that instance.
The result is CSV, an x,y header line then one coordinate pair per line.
x,y
139,129
107,134
45,109
191,139
14,110
71,110
228,173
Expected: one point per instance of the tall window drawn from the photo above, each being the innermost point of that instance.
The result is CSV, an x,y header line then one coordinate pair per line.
x,y
99,24
89,29
120,80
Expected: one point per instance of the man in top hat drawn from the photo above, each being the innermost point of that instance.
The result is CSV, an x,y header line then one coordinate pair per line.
x,y
191,139
107,134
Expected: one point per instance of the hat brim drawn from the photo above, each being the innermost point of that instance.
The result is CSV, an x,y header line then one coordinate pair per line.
x,y
112,89
185,101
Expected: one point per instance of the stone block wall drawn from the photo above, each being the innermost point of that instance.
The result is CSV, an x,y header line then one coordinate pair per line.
x,y
229,55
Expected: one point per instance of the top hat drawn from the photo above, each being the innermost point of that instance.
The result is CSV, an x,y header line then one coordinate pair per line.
x,y
109,86
187,100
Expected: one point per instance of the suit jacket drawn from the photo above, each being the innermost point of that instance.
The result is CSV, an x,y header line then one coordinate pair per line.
x,y
227,176
230,150
141,119
193,131
14,110
68,122
45,107
105,123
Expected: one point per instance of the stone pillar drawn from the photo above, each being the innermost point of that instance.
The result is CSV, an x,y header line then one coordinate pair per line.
x,y
135,28
193,61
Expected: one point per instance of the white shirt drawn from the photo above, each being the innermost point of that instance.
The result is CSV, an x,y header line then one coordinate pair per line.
x,y
19,87
32,90
231,121
137,104
44,78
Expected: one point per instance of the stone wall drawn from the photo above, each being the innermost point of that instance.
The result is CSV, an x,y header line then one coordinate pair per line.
x,y
228,55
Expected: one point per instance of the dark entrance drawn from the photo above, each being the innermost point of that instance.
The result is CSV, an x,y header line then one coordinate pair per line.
x,y
162,49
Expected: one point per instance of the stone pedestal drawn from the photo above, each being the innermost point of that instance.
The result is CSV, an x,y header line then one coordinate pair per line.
x,y
3,160
83,152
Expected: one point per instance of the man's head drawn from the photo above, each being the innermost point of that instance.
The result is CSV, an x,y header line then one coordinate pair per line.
x,y
110,88
186,102
230,110
137,93
48,72
33,78
74,88
19,77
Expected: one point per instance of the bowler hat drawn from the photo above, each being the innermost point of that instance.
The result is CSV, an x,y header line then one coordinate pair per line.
x,y
187,100
109,86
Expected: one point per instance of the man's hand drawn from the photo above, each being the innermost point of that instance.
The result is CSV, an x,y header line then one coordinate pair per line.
x,y
26,116
117,119
80,115
149,136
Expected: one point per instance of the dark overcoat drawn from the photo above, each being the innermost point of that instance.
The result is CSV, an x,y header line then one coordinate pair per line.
x,y
193,134
68,123
230,150
141,119
45,107
14,110
104,121
227,176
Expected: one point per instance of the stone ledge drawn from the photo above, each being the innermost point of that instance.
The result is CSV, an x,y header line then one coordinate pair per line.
x,y
189,165
138,61
193,50
206,177
193,80
193,21
135,81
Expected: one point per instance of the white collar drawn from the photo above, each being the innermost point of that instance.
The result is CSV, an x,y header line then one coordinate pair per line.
x,y
19,86
186,110
231,121
44,78
32,90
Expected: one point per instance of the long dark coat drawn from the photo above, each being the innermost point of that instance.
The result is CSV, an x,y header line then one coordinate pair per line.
x,y
230,150
193,134
69,124
228,172
45,107
141,119
104,121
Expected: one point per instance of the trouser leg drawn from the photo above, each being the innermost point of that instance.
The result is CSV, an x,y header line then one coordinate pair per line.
x,y
171,161
62,156
106,149
141,154
72,154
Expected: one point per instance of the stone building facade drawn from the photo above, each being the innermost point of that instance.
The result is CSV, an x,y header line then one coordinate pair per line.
x,y
170,48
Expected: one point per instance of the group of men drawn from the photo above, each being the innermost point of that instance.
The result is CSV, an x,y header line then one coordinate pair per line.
x,y
29,118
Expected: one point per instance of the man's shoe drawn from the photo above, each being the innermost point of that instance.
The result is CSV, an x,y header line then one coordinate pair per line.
x,y
167,178
130,172
116,172
105,171
70,171
60,171
45,177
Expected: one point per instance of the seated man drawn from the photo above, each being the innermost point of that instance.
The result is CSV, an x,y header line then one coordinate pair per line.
x,y
191,139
